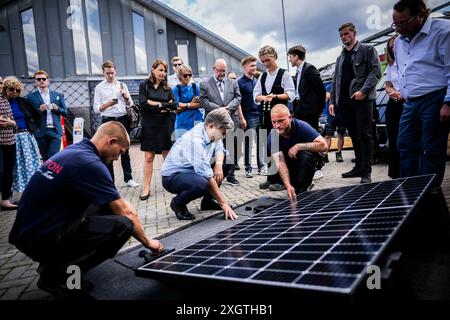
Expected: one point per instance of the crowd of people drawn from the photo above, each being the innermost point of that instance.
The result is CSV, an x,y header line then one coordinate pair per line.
x,y
194,127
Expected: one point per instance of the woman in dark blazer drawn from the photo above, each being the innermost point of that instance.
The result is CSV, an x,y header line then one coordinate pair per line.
x,y
157,106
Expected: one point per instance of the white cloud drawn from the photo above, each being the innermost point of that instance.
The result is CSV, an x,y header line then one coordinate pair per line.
x,y
251,24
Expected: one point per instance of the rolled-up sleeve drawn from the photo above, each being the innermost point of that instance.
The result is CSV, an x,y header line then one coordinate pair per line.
x,y
288,84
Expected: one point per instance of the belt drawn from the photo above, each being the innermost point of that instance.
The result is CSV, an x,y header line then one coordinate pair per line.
x,y
114,118
414,99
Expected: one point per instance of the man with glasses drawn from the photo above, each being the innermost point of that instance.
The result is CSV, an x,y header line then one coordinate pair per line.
x,y
423,58
221,92
353,91
51,106
187,170
173,80
111,100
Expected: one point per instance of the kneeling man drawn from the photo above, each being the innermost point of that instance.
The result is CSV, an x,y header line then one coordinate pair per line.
x,y
72,214
298,152
187,170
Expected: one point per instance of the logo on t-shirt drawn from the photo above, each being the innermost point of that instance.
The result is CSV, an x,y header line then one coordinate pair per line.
x,y
53,169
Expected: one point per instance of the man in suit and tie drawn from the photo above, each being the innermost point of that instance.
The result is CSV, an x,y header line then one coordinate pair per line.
x,y
221,92
52,106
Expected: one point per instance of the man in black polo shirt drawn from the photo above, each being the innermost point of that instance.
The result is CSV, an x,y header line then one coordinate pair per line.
x,y
299,147
71,213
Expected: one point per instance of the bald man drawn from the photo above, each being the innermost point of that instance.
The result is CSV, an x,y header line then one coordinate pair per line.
x,y
298,152
71,213
221,92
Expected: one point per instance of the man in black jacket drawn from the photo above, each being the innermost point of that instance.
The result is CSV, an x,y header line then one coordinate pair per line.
x,y
309,89
354,88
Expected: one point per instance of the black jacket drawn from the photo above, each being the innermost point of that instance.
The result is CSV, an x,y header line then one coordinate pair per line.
x,y
311,91
32,116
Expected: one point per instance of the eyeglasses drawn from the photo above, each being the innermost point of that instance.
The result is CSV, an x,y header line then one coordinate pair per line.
x,y
220,70
177,64
41,79
187,75
401,24
14,89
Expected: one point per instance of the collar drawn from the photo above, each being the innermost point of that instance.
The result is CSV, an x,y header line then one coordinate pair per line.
x,y
275,72
47,91
425,30
300,67
355,48
110,84
205,137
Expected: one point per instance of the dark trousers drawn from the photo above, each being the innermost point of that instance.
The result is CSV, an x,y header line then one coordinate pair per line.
x,y
188,187
228,166
253,126
89,240
7,164
301,170
124,158
393,113
49,143
422,139
358,118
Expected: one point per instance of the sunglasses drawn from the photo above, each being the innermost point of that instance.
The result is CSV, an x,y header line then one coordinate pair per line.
x,y
177,64
187,75
14,89
41,79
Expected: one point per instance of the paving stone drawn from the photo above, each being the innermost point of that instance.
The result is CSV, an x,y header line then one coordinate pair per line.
x,y
15,273
13,293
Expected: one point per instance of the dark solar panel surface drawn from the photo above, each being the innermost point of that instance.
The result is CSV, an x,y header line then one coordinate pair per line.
x,y
325,240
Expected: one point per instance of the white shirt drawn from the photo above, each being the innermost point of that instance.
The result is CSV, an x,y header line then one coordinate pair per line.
x,y
424,61
286,82
299,75
173,80
106,91
393,75
46,98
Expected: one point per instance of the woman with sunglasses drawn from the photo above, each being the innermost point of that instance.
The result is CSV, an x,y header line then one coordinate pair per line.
x,y
7,152
157,106
187,97
27,121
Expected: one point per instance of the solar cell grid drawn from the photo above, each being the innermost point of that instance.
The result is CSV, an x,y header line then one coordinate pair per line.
x,y
323,241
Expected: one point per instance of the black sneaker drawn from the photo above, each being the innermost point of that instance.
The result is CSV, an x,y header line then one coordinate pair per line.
x,y
181,212
232,181
365,178
325,158
354,173
59,288
210,204
277,187
264,185
339,157
236,167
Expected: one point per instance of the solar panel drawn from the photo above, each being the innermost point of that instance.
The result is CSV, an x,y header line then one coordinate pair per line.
x,y
324,241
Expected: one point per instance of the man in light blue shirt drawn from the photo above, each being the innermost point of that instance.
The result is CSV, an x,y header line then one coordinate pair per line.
x,y
422,53
187,170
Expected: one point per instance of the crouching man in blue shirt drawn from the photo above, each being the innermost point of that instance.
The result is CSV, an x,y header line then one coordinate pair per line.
x,y
71,213
187,170
298,152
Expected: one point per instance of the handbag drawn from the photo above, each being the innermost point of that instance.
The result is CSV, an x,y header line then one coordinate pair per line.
x,y
134,115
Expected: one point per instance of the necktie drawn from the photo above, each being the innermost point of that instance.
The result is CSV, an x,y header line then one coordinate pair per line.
x,y
220,86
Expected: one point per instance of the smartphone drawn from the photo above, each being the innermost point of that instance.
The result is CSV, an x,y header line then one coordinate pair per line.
x,y
115,100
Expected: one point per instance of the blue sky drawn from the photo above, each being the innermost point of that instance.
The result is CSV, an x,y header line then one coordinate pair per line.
x,y
251,24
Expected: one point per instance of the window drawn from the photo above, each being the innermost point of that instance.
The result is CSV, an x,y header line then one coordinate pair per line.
x,y
93,40
139,44
29,37
182,50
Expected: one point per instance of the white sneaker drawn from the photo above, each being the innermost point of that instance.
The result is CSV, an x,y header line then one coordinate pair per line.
x,y
131,183
248,173
264,171
318,174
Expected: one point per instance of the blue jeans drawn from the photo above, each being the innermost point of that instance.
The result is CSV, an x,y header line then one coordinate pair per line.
x,y
422,139
253,125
